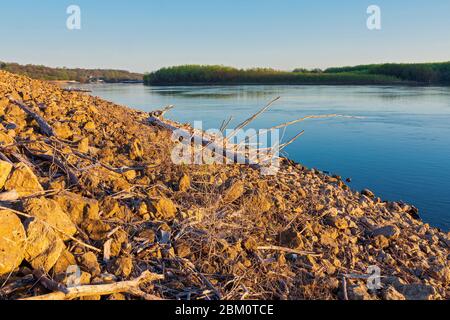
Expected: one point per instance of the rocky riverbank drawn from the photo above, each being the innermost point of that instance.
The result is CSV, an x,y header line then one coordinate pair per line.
x,y
89,196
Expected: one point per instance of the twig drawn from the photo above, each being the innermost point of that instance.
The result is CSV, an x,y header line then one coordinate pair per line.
x,y
253,117
102,289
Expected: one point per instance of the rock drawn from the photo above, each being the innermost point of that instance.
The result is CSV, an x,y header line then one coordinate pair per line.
x,y
122,267
234,191
83,145
120,239
290,238
12,242
358,292
5,170
381,242
368,193
328,237
90,264
391,294
50,212
44,245
414,213
130,175
5,139
112,209
96,229
441,273
417,291
183,250
165,209
184,184
77,207
390,232
23,180
90,126
65,260
301,192
116,297
63,130
259,203
339,223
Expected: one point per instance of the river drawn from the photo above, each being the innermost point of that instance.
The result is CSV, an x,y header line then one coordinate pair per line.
x,y
398,144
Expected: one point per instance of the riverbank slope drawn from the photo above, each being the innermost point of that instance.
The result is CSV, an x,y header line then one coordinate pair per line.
x,y
89,184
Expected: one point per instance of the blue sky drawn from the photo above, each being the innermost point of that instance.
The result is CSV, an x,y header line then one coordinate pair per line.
x,y
143,35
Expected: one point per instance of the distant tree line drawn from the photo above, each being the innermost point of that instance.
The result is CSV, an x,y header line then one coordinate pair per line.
x,y
426,73
65,74
198,75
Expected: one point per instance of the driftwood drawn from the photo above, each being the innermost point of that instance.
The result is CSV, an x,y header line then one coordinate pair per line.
x,y
49,283
289,250
75,90
17,285
210,144
45,127
131,287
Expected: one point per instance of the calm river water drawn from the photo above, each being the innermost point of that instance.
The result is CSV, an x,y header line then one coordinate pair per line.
x,y
399,148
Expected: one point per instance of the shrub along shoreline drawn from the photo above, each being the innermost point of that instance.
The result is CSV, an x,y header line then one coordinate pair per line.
x,y
383,74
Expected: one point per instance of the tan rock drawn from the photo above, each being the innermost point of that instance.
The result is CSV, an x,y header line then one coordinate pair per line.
x,y
83,145
90,264
63,130
5,170
234,191
23,180
165,208
50,212
391,294
90,126
5,139
44,245
122,267
77,207
65,260
12,242
184,184
96,229
259,202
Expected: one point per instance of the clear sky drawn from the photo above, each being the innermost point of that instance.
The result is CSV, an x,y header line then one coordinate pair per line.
x,y
143,35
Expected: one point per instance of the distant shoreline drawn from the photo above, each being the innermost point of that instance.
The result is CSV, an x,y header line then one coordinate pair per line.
x,y
385,74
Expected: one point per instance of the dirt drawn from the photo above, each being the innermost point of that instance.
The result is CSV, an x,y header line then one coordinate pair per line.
x,y
103,195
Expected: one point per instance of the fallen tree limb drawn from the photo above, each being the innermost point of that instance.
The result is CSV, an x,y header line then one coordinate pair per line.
x,y
45,127
49,283
131,287
289,250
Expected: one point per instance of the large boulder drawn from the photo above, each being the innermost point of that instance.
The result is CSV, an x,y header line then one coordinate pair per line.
x,y
44,245
12,242
23,180
50,213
